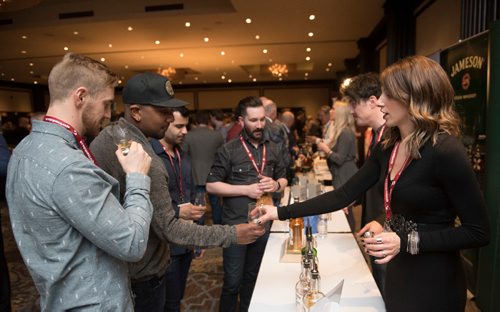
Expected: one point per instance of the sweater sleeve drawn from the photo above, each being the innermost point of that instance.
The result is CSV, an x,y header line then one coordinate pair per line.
x,y
459,182
341,152
339,198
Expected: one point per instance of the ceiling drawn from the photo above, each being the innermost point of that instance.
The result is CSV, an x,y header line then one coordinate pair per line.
x,y
34,34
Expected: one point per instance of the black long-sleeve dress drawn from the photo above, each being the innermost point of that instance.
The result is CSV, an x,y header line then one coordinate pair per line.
x,y
431,192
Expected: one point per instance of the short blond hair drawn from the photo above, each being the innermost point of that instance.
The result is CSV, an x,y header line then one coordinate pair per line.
x,y
76,70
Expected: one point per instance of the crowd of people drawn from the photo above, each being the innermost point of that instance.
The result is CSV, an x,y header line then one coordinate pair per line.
x,y
107,228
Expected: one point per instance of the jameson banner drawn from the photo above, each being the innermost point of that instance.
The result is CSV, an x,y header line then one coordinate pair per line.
x,y
467,66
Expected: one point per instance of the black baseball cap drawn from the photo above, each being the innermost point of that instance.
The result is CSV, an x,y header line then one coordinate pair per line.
x,y
150,88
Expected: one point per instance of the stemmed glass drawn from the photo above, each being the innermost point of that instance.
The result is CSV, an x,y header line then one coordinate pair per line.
x,y
121,138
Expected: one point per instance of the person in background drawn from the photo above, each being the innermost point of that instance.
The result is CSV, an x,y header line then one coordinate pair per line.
x,y
423,170
217,120
73,234
4,271
320,128
245,169
287,119
362,94
234,131
200,145
341,153
182,192
149,99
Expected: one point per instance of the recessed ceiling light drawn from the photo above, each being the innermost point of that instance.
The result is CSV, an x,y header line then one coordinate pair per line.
x,y
65,48
310,34
120,81
31,72
157,42
222,77
206,39
264,51
229,80
110,45
250,76
195,78
254,79
12,79
222,53
187,24
23,51
308,58
31,64
130,28
181,54
312,17
280,78
75,33
180,82
308,49
35,82
327,69
257,37
329,64
103,59
24,37
126,66
306,74
248,20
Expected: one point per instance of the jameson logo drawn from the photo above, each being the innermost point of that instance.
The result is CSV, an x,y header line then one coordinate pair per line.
x,y
467,62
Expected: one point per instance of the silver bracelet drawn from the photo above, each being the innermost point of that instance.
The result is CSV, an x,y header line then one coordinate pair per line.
x,y
413,241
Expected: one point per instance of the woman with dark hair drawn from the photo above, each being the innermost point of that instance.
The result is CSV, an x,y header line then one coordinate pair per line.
x,y
427,181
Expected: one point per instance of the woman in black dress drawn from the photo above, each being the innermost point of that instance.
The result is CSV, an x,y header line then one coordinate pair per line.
x,y
423,171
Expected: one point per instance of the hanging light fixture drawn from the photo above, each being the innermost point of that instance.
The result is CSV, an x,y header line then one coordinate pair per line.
x,y
278,70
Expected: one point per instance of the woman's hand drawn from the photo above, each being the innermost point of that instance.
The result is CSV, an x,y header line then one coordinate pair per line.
x,y
267,213
382,245
323,147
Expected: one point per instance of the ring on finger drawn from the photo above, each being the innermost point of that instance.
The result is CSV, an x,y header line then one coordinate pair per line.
x,y
384,254
379,240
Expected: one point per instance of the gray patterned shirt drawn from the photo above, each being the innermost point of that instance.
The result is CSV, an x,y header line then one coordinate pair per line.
x,y
70,228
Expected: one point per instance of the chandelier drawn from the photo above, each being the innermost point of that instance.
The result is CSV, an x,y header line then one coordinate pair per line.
x,y
278,70
167,72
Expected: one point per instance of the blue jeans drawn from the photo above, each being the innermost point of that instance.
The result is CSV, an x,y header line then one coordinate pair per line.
x,y
175,280
241,266
149,296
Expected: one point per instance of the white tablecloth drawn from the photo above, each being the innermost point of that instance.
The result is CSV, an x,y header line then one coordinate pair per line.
x,y
339,258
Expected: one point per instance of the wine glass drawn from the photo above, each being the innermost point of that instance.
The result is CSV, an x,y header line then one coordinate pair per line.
x,y
121,138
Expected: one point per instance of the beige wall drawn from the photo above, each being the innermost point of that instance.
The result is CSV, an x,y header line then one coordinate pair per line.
x,y
12,100
438,27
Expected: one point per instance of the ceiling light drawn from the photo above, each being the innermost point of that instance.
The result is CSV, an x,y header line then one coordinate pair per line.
x,y
157,42
181,55
257,37
278,70
327,69
31,64
12,79
120,81
130,28
264,51
187,24
196,78
254,79
126,66
35,82
31,72
280,78
65,48
329,64
167,72
206,39
229,80
75,33
23,51
222,77
306,74
103,59
308,58
222,53
180,82
110,45
310,34
250,76
248,21
312,17
24,37
308,49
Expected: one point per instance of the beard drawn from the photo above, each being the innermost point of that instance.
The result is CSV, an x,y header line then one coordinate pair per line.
x,y
91,124
256,134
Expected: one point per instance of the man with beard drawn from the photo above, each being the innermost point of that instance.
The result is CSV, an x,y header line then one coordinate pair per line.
x,y
245,169
182,192
66,216
149,99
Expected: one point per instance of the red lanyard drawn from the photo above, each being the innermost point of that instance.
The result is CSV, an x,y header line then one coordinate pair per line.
x,y
388,190
253,159
177,175
77,136
379,137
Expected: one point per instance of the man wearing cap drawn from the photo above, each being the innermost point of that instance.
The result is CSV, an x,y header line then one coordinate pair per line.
x,y
148,99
